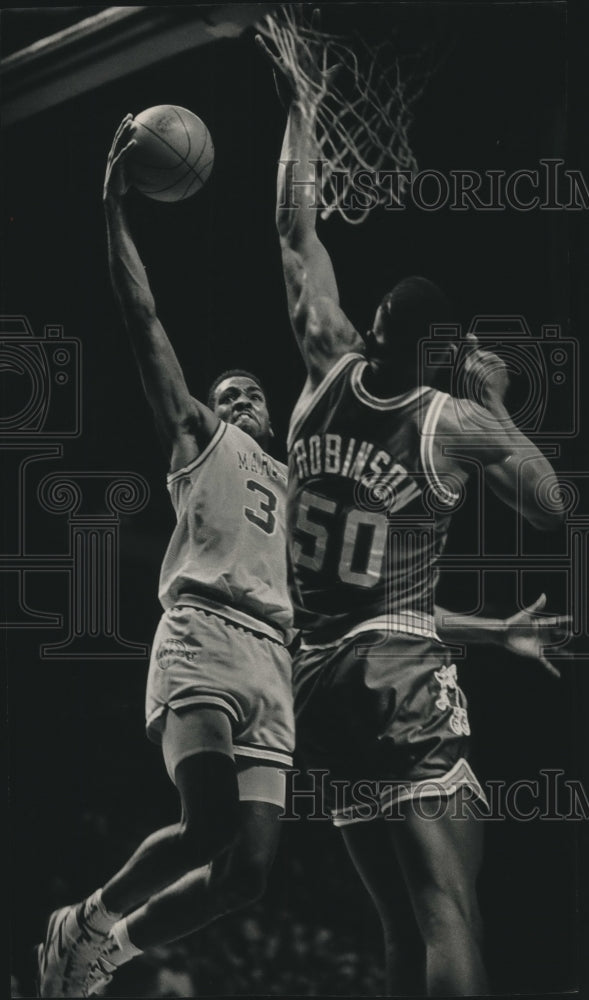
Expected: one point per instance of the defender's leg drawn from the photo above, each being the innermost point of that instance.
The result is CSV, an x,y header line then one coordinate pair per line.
x,y
440,859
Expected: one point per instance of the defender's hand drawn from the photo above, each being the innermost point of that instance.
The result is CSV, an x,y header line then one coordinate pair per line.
x,y
310,82
283,79
116,182
526,634
484,377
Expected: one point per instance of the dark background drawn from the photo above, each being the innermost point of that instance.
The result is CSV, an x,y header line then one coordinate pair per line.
x,y
86,785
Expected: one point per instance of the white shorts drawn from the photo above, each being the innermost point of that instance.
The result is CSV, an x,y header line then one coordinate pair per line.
x,y
200,658
182,738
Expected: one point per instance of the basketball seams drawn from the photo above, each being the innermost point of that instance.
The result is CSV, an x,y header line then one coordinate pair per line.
x,y
177,178
181,159
194,165
196,177
188,139
204,146
166,143
191,181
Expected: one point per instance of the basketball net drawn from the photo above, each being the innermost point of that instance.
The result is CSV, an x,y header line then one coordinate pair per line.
x,y
362,117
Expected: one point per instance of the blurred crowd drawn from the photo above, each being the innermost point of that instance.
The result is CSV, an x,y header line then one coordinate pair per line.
x,y
256,954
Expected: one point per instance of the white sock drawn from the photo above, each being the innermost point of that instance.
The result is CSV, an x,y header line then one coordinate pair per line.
x,y
95,915
118,947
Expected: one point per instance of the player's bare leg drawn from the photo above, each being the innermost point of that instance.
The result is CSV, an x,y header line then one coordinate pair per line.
x,y
440,859
233,881
207,784
369,846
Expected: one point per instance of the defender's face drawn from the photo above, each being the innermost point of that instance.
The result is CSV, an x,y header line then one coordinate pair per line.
x,y
239,401
378,327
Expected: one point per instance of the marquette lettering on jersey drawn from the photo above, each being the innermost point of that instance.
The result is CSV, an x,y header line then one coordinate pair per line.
x,y
229,505
364,534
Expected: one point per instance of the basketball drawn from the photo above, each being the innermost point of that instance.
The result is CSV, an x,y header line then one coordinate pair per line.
x,y
174,153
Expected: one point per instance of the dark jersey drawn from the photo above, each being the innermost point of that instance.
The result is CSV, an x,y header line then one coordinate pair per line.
x,y
367,512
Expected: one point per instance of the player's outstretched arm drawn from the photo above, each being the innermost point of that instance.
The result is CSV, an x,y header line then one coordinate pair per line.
x,y
515,469
184,425
322,329
525,633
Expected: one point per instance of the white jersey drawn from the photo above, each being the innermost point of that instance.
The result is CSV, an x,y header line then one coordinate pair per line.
x,y
228,548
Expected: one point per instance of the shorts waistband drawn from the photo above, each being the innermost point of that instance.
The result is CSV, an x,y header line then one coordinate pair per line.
x,y
233,615
408,623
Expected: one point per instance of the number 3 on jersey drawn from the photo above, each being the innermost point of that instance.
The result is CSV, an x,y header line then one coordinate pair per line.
x,y
266,500
363,543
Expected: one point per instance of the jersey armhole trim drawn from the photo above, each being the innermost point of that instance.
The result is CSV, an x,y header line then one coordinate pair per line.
x,y
187,469
298,419
428,432
375,402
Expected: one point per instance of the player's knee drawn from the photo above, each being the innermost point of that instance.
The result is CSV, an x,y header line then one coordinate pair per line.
x,y
242,884
447,910
208,785
201,841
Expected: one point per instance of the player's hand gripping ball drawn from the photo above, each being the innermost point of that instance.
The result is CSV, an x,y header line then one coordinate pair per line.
x,y
172,156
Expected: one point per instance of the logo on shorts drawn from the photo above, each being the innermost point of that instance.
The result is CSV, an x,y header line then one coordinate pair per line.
x,y
172,649
450,697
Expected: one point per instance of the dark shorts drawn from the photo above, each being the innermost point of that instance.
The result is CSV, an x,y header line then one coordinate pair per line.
x,y
382,712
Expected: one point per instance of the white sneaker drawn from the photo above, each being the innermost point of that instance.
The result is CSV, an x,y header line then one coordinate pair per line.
x,y
52,954
98,976
64,957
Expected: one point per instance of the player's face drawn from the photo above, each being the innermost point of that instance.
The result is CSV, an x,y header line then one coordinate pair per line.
x,y
378,326
239,401
377,339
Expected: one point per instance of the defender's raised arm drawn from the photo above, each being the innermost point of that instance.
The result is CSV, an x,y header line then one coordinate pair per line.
x,y
322,329
515,468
